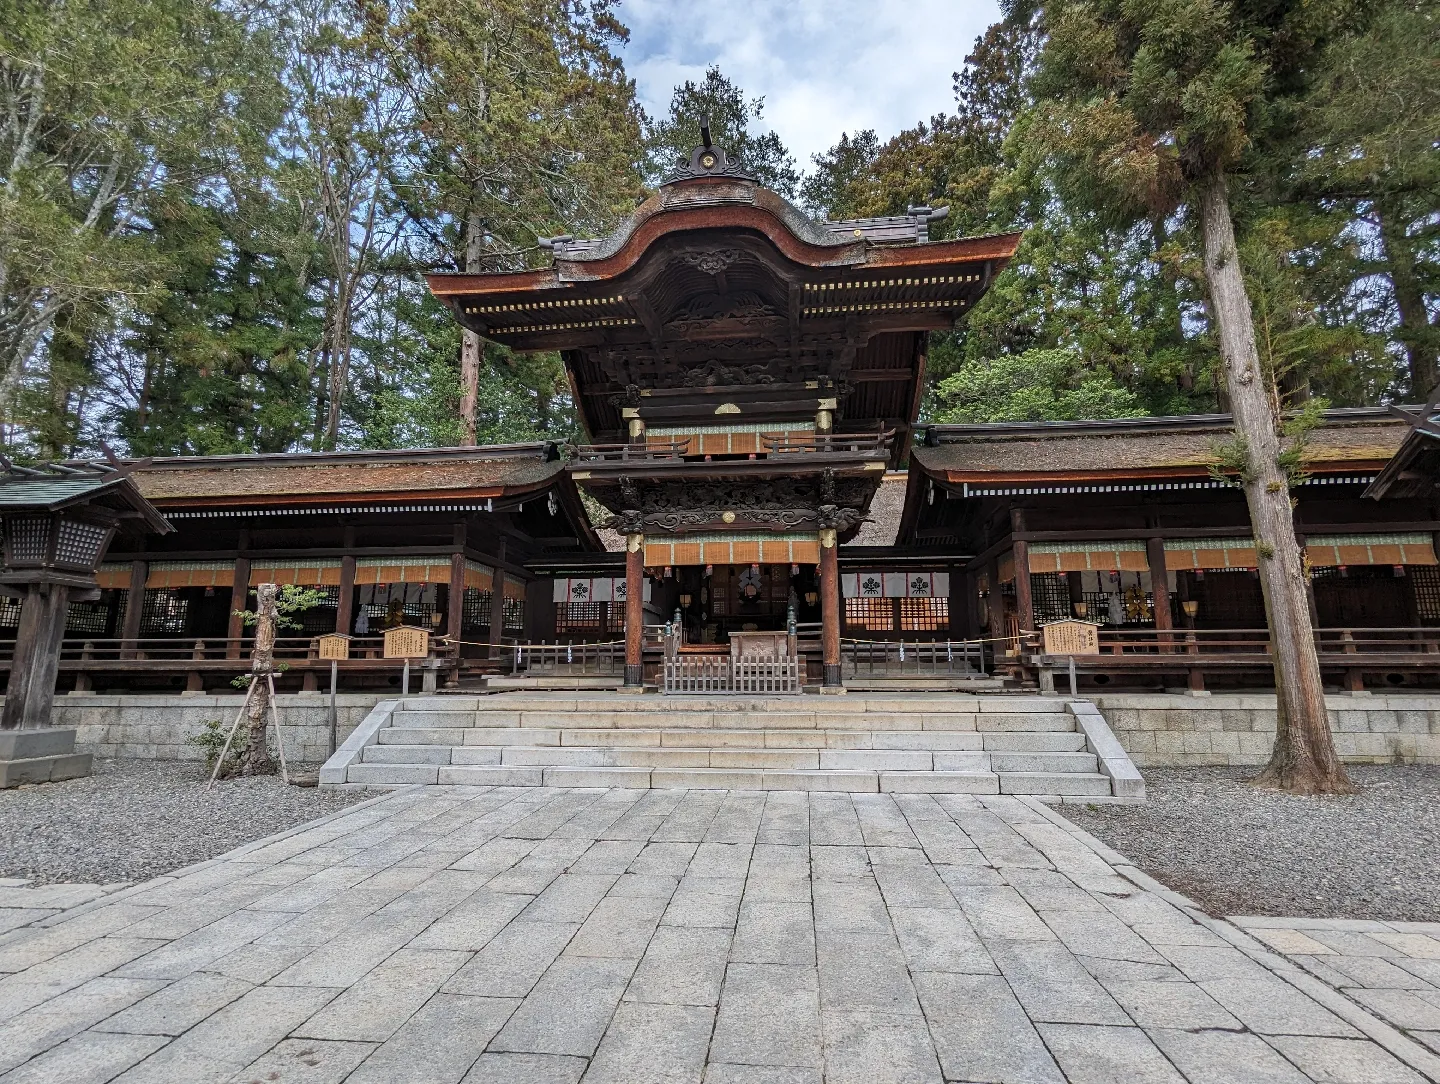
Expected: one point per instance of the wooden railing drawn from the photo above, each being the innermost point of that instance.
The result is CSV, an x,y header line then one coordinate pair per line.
x,y
1196,652
1222,642
625,453
722,675
580,659
852,444
919,658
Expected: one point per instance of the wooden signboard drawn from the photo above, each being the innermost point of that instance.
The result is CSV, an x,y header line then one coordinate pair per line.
x,y
1071,638
335,646
407,643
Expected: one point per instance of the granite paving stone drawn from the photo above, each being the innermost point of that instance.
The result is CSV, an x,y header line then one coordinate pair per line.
x,y
511,935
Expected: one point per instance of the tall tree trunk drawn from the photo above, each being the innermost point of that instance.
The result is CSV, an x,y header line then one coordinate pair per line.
x,y
1416,332
1303,760
339,351
255,757
470,349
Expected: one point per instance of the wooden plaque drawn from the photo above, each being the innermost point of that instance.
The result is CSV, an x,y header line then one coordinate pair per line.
x,y
335,646
1071,638
407,643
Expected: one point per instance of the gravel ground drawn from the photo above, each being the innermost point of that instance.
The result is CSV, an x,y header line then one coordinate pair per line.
x,y
1238,850
136,819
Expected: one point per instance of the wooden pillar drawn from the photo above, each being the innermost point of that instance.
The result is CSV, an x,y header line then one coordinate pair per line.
x,y
455,604
634,424
634,610
1024,600
345,605
994,601
31,688
830,607
497,603
825,418
134,608
345,608
239,593
1159,586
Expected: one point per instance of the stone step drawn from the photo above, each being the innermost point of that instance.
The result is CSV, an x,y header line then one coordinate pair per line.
x,y
937,721
1013,741
921,760
784,779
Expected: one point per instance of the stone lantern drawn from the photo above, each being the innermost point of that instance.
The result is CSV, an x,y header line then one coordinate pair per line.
x,y
57,523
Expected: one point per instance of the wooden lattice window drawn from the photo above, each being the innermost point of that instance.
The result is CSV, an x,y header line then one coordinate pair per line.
x,y
1426,582
870,614
163,612
514,614
924,614
580,617
475,609
1050,596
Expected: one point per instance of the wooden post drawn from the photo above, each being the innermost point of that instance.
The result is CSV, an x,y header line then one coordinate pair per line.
x,y
239,594
345,604
134,608
455,609
334,709
497,604
1024,600
1160,588
830,607
635,610
31,689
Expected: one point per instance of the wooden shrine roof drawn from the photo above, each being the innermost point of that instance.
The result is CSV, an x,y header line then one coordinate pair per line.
x,y
349,477
716,285
1136,448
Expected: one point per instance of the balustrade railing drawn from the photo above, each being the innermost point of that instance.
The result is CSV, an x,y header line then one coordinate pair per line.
x,y
1220,642
919,658
625,453
579,659
851,444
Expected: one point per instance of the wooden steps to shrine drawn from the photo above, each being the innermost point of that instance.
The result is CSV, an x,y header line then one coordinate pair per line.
x,y
940,743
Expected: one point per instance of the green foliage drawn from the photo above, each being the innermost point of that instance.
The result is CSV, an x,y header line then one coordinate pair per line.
x,y
1038,385
211,741
290,598
670,139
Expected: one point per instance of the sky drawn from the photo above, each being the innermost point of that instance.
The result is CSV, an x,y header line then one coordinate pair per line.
x,y
822,66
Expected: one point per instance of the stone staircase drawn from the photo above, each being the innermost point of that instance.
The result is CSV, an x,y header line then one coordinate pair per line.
x,y
919,743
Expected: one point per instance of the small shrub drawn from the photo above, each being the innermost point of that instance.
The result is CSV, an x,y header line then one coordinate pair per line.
x,y
212,740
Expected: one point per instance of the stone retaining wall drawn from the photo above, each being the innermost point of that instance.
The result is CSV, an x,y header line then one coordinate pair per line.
x,y
1167,730
155,727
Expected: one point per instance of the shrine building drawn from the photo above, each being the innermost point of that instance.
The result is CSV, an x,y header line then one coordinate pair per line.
x,y
759,487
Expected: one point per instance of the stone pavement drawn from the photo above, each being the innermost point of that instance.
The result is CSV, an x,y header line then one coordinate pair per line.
x,y
541,936
1391,968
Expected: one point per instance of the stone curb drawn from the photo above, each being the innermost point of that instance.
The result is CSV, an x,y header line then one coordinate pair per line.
x,y
1382,1033
1125,779
337,768
204,863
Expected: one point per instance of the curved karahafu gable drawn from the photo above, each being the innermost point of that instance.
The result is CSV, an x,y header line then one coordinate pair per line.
x,y
717,283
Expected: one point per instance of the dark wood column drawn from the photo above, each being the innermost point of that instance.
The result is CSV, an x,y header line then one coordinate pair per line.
x,y
1159,584
1024,601
455,603
31,689
134,608
239,592
345,608
830,607
634,610
497,603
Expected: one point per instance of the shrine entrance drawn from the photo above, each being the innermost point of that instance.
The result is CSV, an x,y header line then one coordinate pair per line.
x,y
715,601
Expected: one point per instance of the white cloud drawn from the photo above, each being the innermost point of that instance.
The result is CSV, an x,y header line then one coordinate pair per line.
x,y
822,66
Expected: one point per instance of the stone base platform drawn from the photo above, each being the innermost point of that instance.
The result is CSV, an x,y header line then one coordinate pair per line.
x,y
40,756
